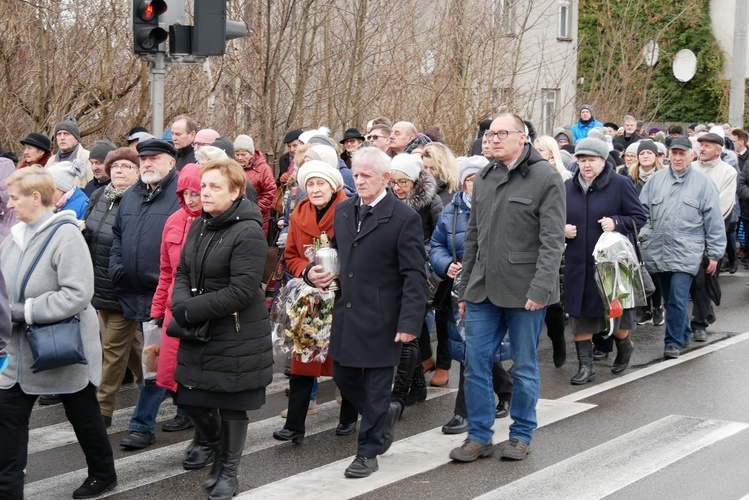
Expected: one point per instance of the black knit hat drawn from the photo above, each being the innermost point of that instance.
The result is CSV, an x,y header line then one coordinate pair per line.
x,y
649,145
100,150
225,144
37,140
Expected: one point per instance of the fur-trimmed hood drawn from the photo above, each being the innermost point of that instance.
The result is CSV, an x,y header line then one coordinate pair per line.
x,y
424,190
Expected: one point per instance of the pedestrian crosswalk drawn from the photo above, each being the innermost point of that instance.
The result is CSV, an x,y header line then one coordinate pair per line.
x,y
281,470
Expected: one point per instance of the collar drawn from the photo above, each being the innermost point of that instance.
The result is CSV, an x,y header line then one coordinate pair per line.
x,y
377,200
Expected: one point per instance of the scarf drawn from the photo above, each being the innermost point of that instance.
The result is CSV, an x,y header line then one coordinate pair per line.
x,y
583,184
644,175
69,154
65,199
113,194
467,199
710,164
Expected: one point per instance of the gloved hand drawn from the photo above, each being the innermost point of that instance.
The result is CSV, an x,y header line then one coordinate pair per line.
x,y
16,312
281,242
159,321
180,315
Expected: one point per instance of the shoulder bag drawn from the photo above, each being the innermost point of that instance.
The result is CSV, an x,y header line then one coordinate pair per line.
x,y
438,289
647,280
53,345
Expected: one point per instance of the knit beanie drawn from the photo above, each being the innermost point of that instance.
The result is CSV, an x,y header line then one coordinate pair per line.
x,y
632,148
70,125
410,165
317,168
324,153
592,147
649,145
100,149
471,166
66,173
226,145
120,154
586,106
321,139
244,142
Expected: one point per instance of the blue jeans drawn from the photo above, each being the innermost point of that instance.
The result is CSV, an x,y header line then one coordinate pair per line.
x,y
486,326
675,290
144,416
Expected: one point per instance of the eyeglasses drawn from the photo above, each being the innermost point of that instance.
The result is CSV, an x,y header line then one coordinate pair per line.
x,y
374,137
502,134
121,166
402,183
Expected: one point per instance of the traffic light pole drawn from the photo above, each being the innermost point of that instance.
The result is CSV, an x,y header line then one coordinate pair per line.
x,y
158,72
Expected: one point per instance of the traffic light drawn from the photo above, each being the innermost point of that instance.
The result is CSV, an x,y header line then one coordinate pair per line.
x,y
211,29
147,35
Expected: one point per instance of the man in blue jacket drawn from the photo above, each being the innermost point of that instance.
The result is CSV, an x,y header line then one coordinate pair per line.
x,y
585,124
134,262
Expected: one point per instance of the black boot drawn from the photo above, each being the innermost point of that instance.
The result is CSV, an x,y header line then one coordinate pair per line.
x,y
209,426
233,436
418,392
560,348
403,376
624,350
199,454
586,372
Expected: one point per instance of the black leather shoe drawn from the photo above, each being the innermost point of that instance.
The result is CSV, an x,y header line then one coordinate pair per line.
x,y
138,440
362,467
503,409
600,355
128,378
733,267
699,335
50,399
94,487
178,423
624,349
289,435
671,352
456,425
388,433
345,429
107,421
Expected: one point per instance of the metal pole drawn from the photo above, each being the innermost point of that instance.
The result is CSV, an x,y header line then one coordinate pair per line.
x,y
738,71
158,72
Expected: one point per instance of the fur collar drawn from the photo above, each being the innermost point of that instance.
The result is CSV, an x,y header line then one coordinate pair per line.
x,y
424,190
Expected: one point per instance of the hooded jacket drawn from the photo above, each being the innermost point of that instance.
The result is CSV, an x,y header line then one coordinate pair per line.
x,y
225,256
424,199
261,177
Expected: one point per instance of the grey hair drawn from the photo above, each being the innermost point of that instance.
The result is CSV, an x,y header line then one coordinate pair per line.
x,y
373,158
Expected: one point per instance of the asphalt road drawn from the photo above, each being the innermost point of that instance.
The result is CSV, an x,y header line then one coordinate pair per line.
x,y
663,429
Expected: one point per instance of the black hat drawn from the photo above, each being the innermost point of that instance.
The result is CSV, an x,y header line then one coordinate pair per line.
x,y
224,144
611,125
649,145
292,135
135,130
40,141
710,137
680,143
351,133
154,147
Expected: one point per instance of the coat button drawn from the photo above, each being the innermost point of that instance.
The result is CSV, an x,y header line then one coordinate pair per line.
x,y
350,275
356,243
348,305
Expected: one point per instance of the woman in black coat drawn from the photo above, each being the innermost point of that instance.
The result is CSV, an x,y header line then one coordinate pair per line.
x,y
598,200
218,281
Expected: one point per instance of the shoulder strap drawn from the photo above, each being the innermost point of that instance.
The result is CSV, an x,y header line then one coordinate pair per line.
x,y
37,257
455,227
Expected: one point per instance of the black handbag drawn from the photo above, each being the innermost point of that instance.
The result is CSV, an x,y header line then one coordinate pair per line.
x,y
438,289
53,345
647,281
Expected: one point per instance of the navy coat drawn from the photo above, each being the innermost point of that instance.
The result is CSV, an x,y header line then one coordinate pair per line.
x,y
382,283
137,229
610,195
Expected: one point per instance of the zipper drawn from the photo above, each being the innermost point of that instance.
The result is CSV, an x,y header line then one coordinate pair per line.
x,y
236,321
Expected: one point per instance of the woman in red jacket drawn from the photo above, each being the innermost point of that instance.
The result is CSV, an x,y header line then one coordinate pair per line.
x,y
323,186
172,241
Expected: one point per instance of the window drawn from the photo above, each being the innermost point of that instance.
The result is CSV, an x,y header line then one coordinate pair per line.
x,y
565,15
501,11
500,97
548,110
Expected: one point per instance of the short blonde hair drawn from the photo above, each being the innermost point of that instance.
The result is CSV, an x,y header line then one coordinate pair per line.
x,y
229,169
444,162
33,179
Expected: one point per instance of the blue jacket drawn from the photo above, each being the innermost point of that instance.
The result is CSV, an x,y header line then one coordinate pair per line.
x,y
684,221
610,195
580,130
137,230
77,203
440,258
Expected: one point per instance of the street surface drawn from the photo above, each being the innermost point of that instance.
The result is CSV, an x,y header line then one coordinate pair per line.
x,y
663,429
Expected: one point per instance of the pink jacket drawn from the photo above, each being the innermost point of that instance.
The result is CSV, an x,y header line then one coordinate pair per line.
x,y
261,177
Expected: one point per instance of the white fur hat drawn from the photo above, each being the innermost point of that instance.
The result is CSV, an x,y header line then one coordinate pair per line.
x,y
410,165
317,168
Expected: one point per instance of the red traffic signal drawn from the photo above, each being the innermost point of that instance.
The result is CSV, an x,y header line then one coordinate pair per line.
x,y
149,10
147,35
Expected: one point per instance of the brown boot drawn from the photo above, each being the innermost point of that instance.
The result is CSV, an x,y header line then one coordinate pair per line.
x,y
428,365
440,378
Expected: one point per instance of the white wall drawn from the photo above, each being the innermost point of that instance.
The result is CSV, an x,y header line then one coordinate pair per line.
x,y
722,14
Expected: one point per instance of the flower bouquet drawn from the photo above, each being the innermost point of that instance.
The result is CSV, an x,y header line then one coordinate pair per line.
x,y
304,315
618,276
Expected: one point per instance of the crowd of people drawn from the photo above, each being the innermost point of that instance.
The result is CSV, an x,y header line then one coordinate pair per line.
x,y
192,234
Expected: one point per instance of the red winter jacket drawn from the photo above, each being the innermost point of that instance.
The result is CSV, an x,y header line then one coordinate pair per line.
x,y
260,176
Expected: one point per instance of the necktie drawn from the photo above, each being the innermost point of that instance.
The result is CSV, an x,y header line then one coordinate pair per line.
x,y
363,211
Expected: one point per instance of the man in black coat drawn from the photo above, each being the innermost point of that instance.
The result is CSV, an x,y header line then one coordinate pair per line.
x,y
134,262
381,300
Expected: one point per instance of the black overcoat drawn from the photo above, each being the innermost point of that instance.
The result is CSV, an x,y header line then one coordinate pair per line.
x,y
382,282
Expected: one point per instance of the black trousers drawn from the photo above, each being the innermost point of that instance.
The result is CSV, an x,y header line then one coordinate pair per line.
x,y
703,314
368,390
300,390
81,409
444,360
501,380
554,320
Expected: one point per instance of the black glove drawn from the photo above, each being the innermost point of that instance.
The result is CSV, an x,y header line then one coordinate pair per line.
x,y
180,315
159,321
17,312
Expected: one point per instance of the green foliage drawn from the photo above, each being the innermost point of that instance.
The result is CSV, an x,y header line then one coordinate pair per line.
x,y
612,34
